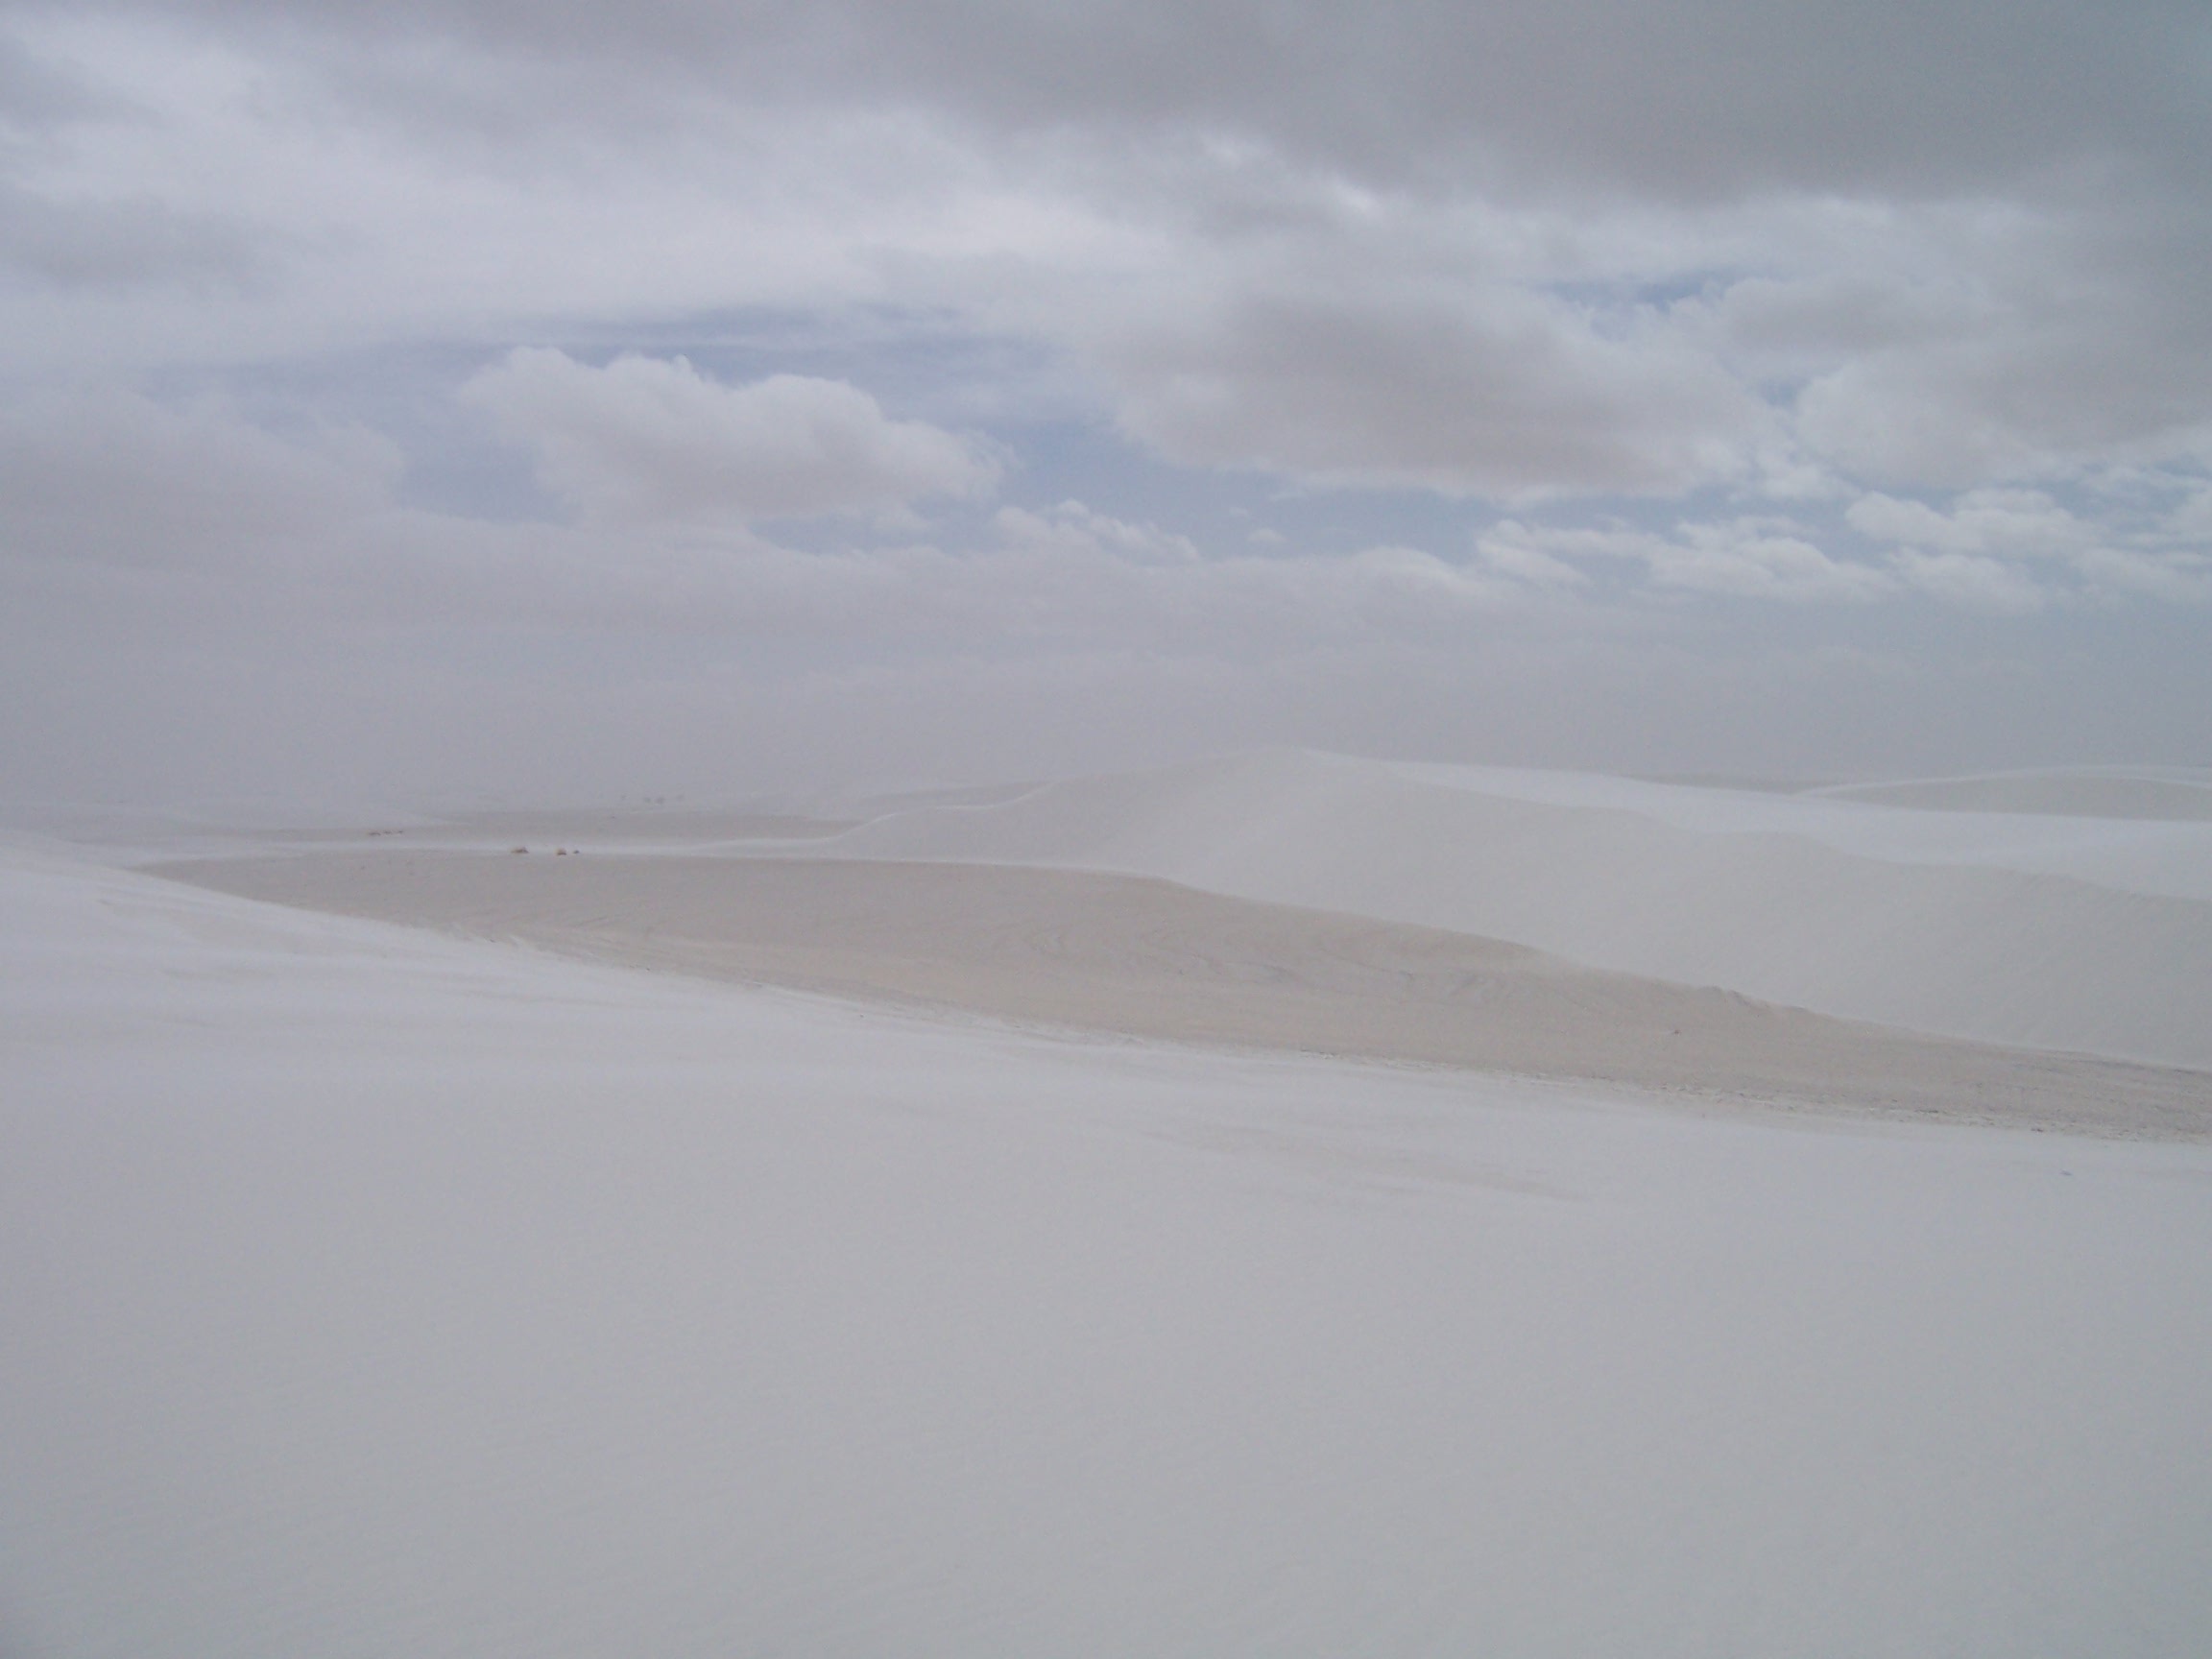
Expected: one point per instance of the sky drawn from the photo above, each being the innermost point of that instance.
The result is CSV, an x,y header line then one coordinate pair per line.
x,y
464,400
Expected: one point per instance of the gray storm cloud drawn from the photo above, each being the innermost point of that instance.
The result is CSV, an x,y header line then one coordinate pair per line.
x,y
1598,248
1505,397
1690,97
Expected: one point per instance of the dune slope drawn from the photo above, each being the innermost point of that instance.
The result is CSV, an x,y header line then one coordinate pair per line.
x,y
1925,937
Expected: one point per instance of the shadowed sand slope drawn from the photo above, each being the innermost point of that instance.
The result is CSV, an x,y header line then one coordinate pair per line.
x,y
1149,958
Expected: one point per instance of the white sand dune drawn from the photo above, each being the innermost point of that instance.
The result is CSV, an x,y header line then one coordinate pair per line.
x,y
2099,793
2072,833
374,1292
2064,934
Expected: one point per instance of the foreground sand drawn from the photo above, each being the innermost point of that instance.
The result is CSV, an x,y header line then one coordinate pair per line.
x,y
373,1291
1148,958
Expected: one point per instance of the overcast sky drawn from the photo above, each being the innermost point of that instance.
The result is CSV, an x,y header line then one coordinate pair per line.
x,y
412,399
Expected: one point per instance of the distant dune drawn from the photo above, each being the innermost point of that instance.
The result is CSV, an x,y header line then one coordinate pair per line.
x,y
2076,795
2066,933
1747,945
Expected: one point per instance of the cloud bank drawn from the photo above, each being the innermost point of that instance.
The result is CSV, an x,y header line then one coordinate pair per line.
x,y
1336,366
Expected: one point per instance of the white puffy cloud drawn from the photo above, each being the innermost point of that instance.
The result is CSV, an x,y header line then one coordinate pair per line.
x,y
1980,339
1971,581
287,527
2190,523
2013,550
1901,419
2001,523
1512,551
1072,528
2180,578
1414,577
1753,558
654,441
1760,559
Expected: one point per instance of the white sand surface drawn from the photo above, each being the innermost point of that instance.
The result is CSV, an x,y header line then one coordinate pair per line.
x,y
371,1292
2067,933
2091,793
2145,836
1148,958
